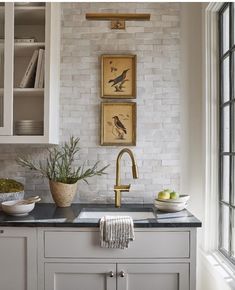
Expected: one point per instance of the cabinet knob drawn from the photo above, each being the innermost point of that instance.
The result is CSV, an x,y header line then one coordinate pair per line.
x,y
111,274
122,274
1,231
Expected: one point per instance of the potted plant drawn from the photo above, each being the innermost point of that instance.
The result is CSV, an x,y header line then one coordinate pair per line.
x,y
60,170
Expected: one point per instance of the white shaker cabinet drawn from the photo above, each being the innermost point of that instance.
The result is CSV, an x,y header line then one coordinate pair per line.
x,y
135,276
76,276
18,258
29,111
158,259
152,276
50,258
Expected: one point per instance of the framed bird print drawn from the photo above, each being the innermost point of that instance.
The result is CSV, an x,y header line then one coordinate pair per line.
x,y
118,124
118,76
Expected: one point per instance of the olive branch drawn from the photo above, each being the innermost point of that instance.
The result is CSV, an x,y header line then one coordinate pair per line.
x,y
59,164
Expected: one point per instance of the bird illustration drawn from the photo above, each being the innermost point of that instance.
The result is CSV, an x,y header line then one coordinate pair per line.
x,y
118,88
120,128
118,81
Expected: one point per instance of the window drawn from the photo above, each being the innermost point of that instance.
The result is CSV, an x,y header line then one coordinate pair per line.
x,y
227,131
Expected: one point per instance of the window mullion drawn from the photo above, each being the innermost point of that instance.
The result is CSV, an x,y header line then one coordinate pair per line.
x,y
220,173
231,125
227,110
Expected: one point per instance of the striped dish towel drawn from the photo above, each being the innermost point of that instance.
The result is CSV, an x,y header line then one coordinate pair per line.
x,y
116,231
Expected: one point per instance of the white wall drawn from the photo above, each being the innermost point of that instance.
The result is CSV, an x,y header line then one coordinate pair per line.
x,y
214,273
191,84
157,46
169,111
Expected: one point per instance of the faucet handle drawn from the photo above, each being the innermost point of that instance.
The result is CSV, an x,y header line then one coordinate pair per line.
x,y
122,187
118,189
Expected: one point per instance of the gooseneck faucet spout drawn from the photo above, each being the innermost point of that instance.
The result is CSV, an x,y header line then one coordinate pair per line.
x,y
118,188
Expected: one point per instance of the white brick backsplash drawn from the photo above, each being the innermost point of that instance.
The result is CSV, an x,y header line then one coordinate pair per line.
x,y
157,46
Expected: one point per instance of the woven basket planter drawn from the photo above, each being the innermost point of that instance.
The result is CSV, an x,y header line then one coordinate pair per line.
x,y
63,193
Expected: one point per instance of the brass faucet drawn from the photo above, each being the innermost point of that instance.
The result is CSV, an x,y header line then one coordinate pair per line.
x,y
118,188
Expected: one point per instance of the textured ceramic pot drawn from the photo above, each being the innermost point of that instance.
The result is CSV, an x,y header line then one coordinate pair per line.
x,y
63,193
6,196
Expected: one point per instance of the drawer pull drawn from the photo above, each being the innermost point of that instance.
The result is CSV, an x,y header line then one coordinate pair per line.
x,y
122,274
1,231
111,274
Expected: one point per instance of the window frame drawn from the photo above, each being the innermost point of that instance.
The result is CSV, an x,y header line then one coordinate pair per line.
x,y
230,54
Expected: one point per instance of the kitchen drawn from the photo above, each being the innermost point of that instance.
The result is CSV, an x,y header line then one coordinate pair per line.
x,y
170,132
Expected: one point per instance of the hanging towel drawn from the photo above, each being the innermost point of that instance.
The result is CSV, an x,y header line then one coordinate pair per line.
x,y
116,231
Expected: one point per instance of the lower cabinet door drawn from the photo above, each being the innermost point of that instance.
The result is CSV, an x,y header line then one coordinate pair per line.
x,y
18,258
80,276
153,277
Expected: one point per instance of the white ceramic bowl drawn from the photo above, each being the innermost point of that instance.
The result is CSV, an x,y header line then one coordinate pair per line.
x,y
182,198
168,202
12,208
170,207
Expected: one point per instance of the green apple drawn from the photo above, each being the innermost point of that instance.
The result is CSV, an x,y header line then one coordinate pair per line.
x,y
174,195
163,195
168,190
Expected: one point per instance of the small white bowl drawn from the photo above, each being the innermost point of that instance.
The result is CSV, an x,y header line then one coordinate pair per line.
x,y
168,202
181,198
170,207
12,208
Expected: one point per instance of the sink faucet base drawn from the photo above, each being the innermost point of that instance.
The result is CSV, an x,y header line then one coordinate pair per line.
x,y
117,198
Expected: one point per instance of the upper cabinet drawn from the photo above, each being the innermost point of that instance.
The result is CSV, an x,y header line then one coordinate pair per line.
x,y
4,124
29,72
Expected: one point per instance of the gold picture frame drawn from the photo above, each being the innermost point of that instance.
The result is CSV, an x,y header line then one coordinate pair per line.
x,y
118,76
118,124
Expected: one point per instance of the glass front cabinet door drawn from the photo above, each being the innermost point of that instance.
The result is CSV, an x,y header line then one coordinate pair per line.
x,y
6,61
29,72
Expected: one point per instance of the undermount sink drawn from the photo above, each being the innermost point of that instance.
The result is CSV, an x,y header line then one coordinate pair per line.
x,y
136,214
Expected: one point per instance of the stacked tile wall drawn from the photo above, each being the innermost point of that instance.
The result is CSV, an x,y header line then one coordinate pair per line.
x,y
157,46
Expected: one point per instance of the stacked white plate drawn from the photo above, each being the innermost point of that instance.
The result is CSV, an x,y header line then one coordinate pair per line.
x,y
28,127
172,205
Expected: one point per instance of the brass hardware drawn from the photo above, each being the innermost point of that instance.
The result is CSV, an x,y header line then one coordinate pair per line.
x,y
118,188
122,274
111,274
118,24
118,16
122,187
118,19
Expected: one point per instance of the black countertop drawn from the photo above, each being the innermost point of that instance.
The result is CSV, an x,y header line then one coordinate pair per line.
x,y
48,215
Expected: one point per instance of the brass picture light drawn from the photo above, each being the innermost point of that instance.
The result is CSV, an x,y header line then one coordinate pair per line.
x,y
118,19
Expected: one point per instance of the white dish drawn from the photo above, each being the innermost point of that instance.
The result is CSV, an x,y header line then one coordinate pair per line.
x,y
170,207
182,198
168,202
12,208
28,127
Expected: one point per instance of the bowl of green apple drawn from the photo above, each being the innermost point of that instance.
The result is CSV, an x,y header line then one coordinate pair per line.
x,y
169,200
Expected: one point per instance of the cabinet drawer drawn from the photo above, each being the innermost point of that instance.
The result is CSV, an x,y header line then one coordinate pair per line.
x,y
86,244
